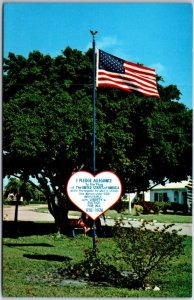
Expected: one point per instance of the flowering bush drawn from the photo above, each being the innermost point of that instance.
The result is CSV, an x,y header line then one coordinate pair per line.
x,y
147,206
138,209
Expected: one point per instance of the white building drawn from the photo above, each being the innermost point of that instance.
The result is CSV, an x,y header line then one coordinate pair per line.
x,y
176,192
171,192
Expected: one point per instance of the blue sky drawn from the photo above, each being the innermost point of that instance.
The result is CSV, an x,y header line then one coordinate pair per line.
x,y
158,35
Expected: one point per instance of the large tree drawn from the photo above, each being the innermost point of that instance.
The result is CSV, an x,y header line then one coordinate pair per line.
x,y
47,127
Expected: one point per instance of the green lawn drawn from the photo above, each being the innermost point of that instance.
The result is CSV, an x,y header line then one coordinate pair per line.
x,y
170,217
31,259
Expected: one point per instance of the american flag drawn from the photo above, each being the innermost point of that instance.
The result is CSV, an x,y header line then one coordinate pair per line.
x,y
116,72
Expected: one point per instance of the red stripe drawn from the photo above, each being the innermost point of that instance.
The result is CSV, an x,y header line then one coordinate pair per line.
x,y
150,78
128,77
114,85
143,68
126,81
128,86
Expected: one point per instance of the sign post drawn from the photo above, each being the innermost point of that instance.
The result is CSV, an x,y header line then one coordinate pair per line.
x,y
94,100
94,125
94,194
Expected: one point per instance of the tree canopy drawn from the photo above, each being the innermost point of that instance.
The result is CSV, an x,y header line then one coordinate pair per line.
x,y
47,125
23,190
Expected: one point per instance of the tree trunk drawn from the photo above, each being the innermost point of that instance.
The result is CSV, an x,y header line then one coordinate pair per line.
x,y
16,207
16,213
59,210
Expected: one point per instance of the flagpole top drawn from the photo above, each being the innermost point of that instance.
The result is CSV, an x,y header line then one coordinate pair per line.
x,y
93,33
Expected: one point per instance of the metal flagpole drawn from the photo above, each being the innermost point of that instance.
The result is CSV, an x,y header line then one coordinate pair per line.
x,y
94,126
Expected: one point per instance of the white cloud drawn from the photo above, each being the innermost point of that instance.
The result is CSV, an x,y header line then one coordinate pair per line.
x,y
160,69
121,52
106,43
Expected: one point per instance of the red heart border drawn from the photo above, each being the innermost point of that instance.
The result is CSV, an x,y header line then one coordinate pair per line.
x,y
94,175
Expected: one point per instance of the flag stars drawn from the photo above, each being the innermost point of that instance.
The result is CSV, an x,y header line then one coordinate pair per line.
x,y
111,63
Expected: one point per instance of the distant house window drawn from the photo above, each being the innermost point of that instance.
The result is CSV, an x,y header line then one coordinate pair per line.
x,y
165,197
160,197
155,197
176,196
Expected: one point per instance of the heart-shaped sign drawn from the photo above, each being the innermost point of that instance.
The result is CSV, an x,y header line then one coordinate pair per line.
x,y
94,194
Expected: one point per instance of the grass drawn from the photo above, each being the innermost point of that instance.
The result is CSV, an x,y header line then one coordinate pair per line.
x,y
36,252
170,217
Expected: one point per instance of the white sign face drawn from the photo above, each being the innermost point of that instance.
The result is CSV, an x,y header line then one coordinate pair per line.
x,y
94,194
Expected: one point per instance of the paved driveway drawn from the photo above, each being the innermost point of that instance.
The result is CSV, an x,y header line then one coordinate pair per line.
x,y
28,213
186,228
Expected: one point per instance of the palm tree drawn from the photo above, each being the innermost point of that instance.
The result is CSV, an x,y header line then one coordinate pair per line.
x,y
13,186
20,189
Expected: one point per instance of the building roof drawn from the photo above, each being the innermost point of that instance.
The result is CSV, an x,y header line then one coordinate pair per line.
x,y
172,185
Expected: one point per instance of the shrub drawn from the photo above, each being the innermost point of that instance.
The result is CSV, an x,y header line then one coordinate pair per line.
x,y
121,206
147,251
147,206
139,254
161,205
94,268
138,209
178,207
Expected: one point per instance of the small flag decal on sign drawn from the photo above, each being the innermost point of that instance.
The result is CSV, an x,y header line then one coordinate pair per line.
x,y
115,72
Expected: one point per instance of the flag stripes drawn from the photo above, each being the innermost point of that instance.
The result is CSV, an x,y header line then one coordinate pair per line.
x,y
115,72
